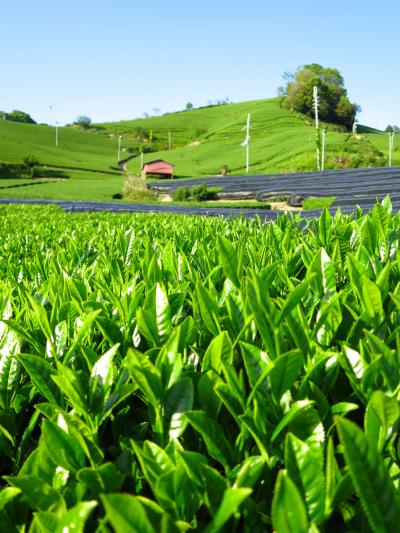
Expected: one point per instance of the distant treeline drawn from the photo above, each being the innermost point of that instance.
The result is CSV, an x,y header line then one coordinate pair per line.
x,y
17,116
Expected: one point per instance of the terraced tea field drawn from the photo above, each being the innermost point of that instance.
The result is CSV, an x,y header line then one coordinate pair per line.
x,y
82,166
203,141
171,373
350,187
77,149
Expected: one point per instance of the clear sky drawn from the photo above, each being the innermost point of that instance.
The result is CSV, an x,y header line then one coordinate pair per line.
x,y
116,59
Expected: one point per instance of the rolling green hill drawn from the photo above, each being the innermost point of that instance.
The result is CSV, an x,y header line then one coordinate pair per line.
x,y
202,141
76,150
205,139
87,162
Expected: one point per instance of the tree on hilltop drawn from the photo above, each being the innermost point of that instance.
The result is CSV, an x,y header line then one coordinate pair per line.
x,y
83,121
334,105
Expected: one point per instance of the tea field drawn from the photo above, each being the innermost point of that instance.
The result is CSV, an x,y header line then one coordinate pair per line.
x,y
163,373
200,142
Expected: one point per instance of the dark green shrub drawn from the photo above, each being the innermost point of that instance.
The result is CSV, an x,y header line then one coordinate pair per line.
x,y
198,132
10,171
182,194
200,193
29,163
36,171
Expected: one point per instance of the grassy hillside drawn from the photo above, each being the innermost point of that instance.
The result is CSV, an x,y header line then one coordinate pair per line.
x,y
205,139
77,149
381,141
79,186
86,159
202,141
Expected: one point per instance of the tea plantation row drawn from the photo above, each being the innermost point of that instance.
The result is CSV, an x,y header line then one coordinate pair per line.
x,y
162,373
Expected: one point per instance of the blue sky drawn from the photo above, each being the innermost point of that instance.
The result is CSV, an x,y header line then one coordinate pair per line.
x,y
117,59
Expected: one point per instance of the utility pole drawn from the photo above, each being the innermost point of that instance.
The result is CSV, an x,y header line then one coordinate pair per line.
x,y
391,138
169,140
141,162
323,150
56,133
315,98
119,148
56,125
246,143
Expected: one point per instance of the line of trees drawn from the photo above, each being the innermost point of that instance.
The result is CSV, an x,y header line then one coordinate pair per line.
x,y
17,116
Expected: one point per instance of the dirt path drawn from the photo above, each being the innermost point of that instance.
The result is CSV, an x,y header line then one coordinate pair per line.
x,y
123,162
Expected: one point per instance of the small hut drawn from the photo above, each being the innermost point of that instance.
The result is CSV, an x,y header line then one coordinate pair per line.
x,y
158,167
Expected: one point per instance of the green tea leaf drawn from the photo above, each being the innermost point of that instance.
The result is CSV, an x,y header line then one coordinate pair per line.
x,y
380,219
284,373
248,472
213,436
371,299
75,519
293,300
7,494
371,479
294,411
105,478
288,510
40,372
146,376
381,419
208,309
69,383
127,514
369,235
229,259
176,494
62,447
219,351
324,225
178,400
304,466
40,495
231,500
103,371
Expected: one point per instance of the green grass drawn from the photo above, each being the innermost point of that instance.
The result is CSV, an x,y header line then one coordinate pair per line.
x,y
222,204
318,203
381,141
76,150
80,186
227,204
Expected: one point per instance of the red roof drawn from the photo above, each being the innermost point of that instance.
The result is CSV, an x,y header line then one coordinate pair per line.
x,y
158,166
